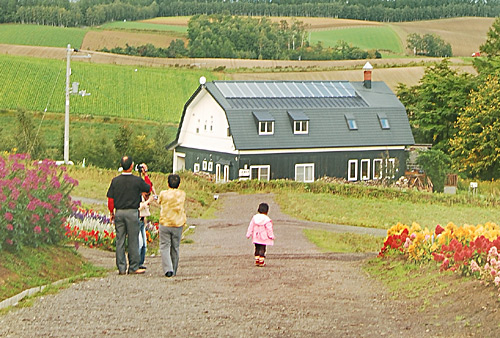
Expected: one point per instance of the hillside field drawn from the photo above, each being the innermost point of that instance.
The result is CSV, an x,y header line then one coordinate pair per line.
x,y
146,93
381,38
38,35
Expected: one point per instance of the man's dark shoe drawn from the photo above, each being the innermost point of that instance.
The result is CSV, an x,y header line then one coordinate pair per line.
x,y
142,267
169,273
122,272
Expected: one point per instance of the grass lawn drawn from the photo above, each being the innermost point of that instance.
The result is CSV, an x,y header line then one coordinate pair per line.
x,y
380,212
34,267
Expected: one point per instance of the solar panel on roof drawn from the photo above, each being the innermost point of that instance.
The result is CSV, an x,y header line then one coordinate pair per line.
x,y
285,89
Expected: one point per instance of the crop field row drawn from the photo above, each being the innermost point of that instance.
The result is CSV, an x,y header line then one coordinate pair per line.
x,y
156,94
38,35
147,26
382,38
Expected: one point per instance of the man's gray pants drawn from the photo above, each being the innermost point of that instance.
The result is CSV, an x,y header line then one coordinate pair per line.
x,y
170,240
127,225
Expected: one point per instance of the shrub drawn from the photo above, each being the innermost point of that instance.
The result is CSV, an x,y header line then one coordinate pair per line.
x,y
34,201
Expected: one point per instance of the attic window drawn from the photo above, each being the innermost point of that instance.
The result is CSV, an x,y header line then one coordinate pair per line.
x,y
384,121
300,122
265,123
351,122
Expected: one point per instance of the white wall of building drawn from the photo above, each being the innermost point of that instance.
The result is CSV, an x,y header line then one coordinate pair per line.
x,y
205,126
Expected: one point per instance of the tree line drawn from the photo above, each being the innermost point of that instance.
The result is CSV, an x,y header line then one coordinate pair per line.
x,y
459,113
70,13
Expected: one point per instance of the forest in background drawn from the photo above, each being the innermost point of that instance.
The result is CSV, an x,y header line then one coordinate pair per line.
x,y
95,12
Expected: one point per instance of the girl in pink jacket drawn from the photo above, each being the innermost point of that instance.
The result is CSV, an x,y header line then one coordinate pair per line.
x,y
261,231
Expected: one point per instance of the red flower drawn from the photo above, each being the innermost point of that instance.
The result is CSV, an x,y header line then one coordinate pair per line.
x,y
439,229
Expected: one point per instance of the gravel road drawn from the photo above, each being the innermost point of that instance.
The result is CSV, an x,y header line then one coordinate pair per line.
x,y
218,291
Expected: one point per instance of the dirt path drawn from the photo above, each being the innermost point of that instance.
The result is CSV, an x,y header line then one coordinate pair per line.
x,y
219,292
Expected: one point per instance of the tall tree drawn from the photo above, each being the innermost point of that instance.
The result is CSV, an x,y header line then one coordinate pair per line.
x,y
434,104
476,146
492,45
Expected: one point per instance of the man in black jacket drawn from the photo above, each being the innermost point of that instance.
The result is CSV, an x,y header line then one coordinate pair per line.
x,y
124,196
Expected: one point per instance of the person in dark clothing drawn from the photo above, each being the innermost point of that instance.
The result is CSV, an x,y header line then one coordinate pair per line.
x,y
124,196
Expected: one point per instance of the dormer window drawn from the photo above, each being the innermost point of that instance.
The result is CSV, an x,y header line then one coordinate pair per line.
x,y
265,123
300,122
351,122
266,127
300,127
384,121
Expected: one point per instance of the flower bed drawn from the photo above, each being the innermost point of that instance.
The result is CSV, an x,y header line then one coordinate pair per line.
x,y
468,249
34,201
94,230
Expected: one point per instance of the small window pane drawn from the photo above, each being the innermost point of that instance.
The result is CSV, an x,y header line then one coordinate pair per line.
x,y
384,122
264,174
269,127
352,124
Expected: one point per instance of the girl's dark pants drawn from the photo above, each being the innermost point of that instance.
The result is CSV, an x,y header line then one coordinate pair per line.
x,y
260,250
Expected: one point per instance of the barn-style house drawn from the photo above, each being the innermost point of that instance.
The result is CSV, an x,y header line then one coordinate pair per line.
x,y
299,130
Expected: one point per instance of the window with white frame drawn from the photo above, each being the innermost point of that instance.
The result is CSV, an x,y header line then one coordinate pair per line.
x,y
352,170
266,127
304,172
196,167
365,170
265,122
377,168
300,127
260,172
204,165
217,172
300,121
391,168
226,173
210,166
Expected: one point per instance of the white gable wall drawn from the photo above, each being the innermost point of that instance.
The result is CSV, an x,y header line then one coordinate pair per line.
x,y
205,125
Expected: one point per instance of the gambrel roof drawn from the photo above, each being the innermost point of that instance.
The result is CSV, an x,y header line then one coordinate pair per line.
x,y
379,117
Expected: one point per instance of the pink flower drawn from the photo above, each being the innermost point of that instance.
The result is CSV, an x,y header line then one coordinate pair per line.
x,y
493,272
407,242
497,280
473,266
12,205
46,230
8,216
37,229
413,236
10,227
9,241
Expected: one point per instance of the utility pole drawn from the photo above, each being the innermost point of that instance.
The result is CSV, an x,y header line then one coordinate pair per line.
x,y
69,50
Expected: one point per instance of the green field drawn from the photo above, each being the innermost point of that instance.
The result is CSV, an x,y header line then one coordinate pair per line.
x,y
38,35
381,38
144,26
147,93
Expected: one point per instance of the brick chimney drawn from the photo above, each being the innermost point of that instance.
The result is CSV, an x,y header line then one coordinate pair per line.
x,y
367,82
